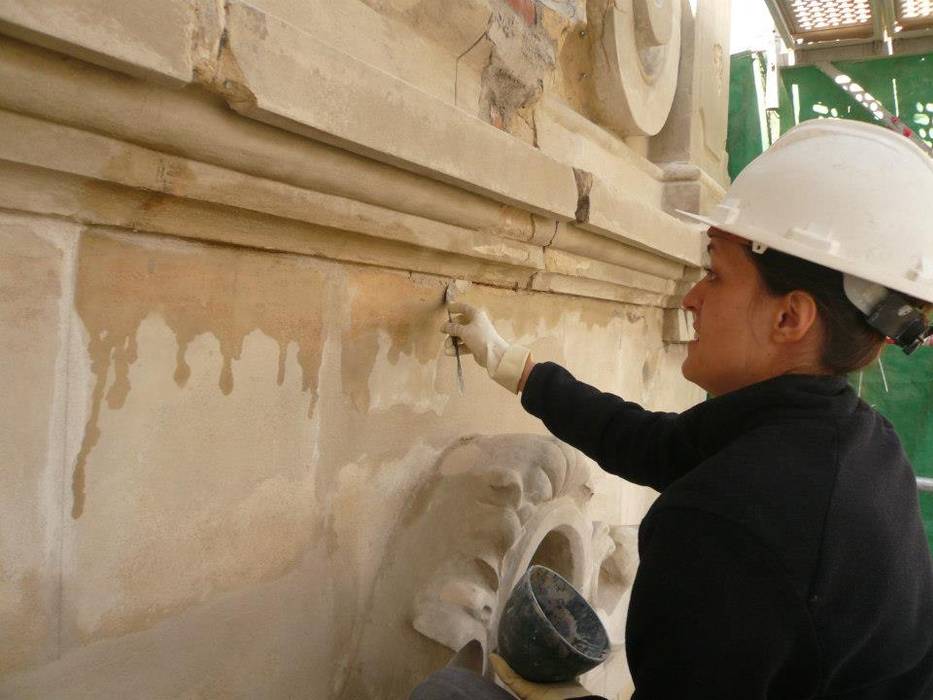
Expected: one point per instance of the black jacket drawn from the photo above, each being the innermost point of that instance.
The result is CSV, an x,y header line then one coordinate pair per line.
x,y
785,557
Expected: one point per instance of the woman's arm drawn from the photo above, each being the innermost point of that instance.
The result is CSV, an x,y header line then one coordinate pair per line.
x,y
646,447
641,446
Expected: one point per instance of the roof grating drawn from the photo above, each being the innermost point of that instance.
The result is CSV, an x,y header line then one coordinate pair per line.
x,y
914,13
821,15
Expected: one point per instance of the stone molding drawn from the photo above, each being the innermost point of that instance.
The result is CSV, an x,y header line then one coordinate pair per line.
x,y
77,134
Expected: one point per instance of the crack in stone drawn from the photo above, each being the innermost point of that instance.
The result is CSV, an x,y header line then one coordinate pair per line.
x,y
584,182
484,35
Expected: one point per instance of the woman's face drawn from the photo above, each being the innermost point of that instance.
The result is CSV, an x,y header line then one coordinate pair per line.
x,y
733,318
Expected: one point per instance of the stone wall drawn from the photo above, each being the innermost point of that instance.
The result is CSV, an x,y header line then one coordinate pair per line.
x,y
236,459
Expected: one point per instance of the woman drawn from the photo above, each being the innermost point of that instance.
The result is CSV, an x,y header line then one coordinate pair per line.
x,y
785,556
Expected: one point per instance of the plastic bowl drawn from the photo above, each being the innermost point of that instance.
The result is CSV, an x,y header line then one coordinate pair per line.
x,y
548,633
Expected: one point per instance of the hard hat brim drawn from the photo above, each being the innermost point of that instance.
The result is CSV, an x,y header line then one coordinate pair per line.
x,y
705,220
861,270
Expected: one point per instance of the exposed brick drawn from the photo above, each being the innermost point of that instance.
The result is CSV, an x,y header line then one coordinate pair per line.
x,y
495,117
525,9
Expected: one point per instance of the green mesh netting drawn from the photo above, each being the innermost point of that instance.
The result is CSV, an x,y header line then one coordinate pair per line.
x,y
904,85
746,108
901,389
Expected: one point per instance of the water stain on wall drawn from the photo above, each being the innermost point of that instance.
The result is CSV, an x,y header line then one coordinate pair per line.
x,y
225,291
411,314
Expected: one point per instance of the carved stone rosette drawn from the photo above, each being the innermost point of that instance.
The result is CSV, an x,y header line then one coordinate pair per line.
x,y
501,504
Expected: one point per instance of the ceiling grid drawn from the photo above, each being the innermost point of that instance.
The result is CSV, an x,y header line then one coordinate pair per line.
x,y
879,25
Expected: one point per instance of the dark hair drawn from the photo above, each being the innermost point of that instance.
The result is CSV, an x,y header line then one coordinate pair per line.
x,y
850,343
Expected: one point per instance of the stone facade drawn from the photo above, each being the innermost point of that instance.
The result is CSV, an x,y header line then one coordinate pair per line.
x,y
236,459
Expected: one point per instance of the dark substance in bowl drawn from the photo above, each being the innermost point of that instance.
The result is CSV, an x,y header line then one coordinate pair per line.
x,y
548,633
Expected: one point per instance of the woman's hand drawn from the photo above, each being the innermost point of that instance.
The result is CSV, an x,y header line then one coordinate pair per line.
x,y
505,363
526,690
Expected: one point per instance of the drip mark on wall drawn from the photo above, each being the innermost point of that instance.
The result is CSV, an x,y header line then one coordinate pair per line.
x,y
223,291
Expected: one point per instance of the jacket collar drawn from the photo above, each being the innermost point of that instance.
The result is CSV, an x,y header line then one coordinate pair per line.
x,y
716,422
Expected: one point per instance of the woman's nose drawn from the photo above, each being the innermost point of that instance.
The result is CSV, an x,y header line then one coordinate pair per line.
x,y
693,299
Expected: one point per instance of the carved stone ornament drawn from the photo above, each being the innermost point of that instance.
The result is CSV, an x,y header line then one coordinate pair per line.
x,y
636,63
500,504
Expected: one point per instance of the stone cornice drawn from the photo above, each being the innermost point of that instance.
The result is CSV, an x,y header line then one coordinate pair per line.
x,y
436,191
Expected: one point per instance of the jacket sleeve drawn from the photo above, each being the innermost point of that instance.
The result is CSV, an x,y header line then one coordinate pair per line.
x,y
712,615
645,447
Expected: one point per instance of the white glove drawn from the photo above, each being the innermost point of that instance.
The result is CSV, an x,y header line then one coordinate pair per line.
x,y
526,690
504,362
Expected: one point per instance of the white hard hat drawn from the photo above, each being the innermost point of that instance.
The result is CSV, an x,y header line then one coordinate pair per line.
x,y
848,195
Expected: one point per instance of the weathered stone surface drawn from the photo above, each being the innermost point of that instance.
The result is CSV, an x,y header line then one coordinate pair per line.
x,y
33,143
522,57
240,545
162,40
302,87
377,39
35,282
569,137
615,214
239,460
677,326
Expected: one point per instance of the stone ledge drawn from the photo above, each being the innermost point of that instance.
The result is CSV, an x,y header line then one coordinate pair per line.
x,y
273,72
595,289
573,239
616,215
426,135
74,132
100,204
196,124
574,265
157,40
100,180
58,148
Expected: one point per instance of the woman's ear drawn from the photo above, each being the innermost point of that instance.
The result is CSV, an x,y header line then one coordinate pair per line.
x,y
797,315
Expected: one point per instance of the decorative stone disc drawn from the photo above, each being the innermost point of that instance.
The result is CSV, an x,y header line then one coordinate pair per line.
x,y
636,64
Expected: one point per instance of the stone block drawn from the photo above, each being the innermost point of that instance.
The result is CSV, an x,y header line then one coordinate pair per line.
x,y
573,239
63,149
571,138
376,36
35,284
579,266
159,40
306,86
677,326
615,214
